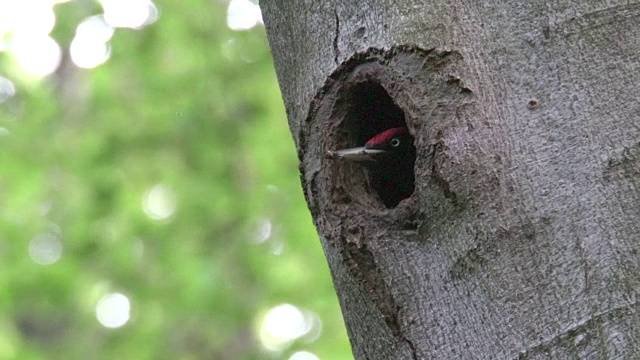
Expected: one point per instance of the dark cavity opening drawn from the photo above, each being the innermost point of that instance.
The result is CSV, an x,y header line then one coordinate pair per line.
x,y
372,112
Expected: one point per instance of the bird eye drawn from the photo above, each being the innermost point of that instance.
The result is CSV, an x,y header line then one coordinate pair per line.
x,y
395,142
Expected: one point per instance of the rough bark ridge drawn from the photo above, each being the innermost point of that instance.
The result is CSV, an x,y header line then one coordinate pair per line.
x,y
522,238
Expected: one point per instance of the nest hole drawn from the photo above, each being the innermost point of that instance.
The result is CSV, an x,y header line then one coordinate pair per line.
x,y
372,111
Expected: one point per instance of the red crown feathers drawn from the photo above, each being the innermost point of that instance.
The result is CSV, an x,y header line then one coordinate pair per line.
x,y
386,135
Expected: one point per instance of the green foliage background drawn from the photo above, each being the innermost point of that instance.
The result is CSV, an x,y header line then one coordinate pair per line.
x,y
189,104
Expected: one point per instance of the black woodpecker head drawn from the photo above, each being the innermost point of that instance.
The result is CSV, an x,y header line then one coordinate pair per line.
x,y
389,158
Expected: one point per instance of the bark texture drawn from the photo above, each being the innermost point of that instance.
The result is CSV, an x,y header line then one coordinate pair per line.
x,y
522,239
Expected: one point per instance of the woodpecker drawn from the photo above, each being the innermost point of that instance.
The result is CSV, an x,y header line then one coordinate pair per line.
x,y
389,158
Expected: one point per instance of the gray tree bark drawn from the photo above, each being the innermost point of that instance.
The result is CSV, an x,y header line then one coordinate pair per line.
x,y
522,239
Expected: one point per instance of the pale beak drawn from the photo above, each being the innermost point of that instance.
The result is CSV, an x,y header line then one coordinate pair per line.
x,y
358,154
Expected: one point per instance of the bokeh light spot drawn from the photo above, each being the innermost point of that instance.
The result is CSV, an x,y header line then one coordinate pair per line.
x,y
90,48
159,202
243,15
89,54
277,246
7,89
37,55
281,325
129,13
45,249
303,355
263,233
113,310
29,18
94,28
262,230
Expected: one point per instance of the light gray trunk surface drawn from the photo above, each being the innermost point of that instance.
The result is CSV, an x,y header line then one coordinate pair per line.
x,y
522,239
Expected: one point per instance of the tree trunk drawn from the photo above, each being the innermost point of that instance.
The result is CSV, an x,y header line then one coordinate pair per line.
x,y
522,238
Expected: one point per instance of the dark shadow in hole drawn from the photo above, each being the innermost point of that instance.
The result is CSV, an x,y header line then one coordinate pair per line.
x,y
372,112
